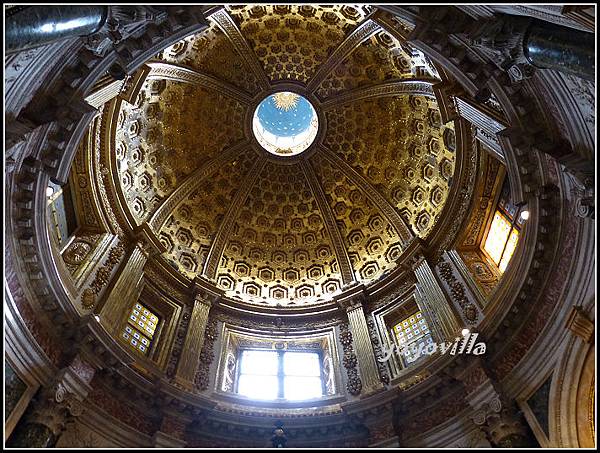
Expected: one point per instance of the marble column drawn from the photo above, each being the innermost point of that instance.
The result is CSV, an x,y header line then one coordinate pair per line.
x,y
433,302
194,339
367,365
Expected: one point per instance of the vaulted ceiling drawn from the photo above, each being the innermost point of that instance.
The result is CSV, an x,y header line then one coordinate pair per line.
x,y
289,231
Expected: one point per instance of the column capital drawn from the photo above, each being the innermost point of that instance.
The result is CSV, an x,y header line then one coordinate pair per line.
x,y
580,324
498,416
353,298
147,240
205,292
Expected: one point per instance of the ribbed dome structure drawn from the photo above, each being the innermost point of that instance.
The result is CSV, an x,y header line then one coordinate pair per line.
x,y
292,231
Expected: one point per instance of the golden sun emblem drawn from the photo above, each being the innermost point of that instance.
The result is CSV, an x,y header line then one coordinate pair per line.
x,y
285,100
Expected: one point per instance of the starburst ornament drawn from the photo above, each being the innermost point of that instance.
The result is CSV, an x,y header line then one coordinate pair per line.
x,y
285,100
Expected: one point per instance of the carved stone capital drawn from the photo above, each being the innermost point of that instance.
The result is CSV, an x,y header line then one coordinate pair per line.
x,y
147,240
498,416
352,299
580,324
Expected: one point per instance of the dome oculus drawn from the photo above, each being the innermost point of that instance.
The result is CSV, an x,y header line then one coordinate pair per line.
x,y
285,123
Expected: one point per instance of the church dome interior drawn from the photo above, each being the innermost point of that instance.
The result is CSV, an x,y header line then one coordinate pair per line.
x,y
313,226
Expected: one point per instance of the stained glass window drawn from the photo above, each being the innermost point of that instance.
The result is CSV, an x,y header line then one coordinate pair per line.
x,y
267,375
140,328
411,333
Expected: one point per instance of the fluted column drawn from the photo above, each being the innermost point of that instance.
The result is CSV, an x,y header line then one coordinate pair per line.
x,y
432,300
128,282
367,365
194,339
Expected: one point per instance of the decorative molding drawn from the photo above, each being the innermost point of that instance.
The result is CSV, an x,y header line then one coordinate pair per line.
x,y
350,362
190,184
226,23
334,233
400,87
405,233
178,73
207,355
360,34
221,236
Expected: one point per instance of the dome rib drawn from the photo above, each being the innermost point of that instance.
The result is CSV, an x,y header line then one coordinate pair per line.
x,y
421,87
330,224
162,213
390,212
226,23
183,74
360,34
218,245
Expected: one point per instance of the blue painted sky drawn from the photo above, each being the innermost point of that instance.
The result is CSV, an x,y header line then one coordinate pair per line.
x,y
285,123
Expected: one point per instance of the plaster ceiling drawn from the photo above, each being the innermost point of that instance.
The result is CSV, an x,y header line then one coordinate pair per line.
x,y
284,232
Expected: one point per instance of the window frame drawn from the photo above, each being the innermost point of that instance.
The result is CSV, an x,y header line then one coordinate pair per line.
x,y
151,340
406,363
516,224
280,372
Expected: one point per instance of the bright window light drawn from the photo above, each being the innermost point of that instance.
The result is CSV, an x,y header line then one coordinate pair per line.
x,y
259,362
269,375
497,237
302,388
258,387
301,364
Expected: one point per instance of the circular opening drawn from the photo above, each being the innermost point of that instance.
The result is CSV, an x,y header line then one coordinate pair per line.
x,y
285,123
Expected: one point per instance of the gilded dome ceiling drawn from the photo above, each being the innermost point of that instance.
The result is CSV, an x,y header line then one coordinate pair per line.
x,y
286,230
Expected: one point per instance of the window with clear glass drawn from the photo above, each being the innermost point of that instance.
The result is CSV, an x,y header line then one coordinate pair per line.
x,y
503,235
140,328
290,375
411,333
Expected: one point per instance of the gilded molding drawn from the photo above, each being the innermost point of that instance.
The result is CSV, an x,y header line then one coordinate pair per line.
x,y
334,232
178,73
415,87
388,210
190,184
360,34
226,23
222,234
